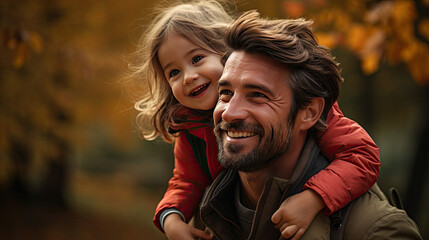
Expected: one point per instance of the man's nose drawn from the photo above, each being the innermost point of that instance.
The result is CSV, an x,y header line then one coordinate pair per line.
x,y
190,76
234,110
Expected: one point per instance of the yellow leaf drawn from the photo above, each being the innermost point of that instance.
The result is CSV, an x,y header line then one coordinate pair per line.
x,y
12,43
409,51
406,32
342,21
329,40
36,42
20,56
370,63
404,11
356,37
323,18
418,65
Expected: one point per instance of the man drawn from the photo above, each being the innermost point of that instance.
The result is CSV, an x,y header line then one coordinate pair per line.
x,y
272,99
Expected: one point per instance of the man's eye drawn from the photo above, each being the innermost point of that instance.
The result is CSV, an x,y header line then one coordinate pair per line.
x,y
196,59
173,73
225,95
259,95
225,92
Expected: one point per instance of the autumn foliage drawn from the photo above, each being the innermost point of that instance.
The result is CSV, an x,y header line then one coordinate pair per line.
x,y
393,31
60,66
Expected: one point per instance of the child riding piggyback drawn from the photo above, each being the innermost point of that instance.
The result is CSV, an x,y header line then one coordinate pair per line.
x,y
180,63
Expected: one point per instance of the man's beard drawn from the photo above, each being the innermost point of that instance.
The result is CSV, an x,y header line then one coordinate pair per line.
x,y
271,145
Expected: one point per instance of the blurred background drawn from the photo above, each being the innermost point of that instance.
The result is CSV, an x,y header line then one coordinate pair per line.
x,y
73,165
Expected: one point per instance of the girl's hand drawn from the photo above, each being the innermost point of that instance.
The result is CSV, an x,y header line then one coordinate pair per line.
x,y
176,229
296,213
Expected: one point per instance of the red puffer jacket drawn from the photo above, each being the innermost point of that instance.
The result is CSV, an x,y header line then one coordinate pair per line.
x,y
354,168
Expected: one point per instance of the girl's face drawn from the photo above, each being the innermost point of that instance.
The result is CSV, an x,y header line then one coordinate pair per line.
x,y
191,71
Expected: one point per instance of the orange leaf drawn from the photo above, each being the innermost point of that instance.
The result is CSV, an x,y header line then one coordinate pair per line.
x,y
318,3
293,9
370,63
424,28
393,51
20,56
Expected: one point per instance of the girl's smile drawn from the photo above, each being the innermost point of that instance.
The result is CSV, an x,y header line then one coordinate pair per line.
x,y
199,90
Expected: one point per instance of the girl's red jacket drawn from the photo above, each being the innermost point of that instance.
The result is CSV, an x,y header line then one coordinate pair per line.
x,y
354,167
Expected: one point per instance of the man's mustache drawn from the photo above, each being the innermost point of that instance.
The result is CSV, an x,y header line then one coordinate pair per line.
x,y
239,126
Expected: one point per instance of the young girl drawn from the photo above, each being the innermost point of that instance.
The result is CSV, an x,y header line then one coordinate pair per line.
x,y
181,63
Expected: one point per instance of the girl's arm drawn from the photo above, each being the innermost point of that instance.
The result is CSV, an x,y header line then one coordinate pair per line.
x,y
355,162
187,186
354,169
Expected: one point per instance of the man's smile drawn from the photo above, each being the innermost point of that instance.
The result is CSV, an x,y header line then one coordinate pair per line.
x,y
240,134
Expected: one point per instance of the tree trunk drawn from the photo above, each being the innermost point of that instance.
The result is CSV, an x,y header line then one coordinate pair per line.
x,y
418,174
367,108
21,159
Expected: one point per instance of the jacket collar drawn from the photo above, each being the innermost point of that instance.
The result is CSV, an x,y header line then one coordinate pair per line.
x,y
218,207
189,119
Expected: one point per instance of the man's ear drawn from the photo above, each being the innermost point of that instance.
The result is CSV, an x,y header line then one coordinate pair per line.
x,y
311,113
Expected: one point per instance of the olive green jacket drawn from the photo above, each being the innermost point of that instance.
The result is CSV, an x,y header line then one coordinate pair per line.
x,y
371,216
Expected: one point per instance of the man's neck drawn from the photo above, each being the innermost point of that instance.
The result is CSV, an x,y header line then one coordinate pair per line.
x,y
252,183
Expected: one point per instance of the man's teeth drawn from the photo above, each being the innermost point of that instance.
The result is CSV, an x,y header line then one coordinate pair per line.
x,y
235,134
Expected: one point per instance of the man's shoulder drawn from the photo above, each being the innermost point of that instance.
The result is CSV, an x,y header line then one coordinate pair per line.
x,y
372,217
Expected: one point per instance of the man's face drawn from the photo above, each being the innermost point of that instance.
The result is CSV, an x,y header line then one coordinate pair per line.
x,y
251,116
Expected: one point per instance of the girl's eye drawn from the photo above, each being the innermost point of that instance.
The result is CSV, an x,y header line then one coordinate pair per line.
x,y
196,59
173,73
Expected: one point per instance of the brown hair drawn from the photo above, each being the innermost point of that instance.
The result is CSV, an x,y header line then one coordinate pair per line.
x,y
202,22
314,72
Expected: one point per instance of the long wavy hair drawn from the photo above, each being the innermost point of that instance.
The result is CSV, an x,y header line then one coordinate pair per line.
x,y
204,23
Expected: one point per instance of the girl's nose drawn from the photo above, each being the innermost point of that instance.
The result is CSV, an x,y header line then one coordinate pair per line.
x,y
189,77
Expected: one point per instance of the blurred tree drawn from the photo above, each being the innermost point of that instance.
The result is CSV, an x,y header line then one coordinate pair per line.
x,y
58,60
396,32
30,110
52,90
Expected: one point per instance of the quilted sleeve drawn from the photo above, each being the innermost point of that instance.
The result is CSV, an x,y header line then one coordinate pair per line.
x,y
355,162
187,186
